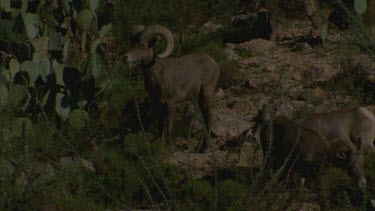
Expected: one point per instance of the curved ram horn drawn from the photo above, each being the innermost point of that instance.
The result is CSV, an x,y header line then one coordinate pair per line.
x,y
153,30
336,148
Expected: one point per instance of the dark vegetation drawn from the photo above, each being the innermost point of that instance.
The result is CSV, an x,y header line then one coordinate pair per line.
x,y
65,92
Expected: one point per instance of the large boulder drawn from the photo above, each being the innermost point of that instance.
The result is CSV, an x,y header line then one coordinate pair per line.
x,y
255,25
229,125
257,46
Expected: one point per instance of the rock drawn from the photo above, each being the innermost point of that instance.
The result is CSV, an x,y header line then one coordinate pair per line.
x,y
284,108
231,55
250,84
210,27
305,206
315,95
250,155
220,94
320,72
373,203
238,106
229,125
45,169
295,91
255,25
301,47
335,39
250,62
78,162
257,46
298,76
192,29
199,165
270,68
292,33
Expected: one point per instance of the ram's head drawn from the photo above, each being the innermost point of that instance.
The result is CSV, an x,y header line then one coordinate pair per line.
x,y
143,43
345,154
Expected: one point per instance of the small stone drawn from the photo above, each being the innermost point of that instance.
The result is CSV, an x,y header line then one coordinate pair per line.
x,y
320,72
270,68
229,125
231,55
238,106
220,94
298,76
210,27
257,46
70,161
301,47
250,84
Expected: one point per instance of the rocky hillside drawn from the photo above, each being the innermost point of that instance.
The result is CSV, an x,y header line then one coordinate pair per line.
x,y
292,74
297,78
77,131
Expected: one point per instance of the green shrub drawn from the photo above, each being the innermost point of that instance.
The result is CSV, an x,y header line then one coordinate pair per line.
x,y
337,187
119,176
209,43
352,80
231,195
197,195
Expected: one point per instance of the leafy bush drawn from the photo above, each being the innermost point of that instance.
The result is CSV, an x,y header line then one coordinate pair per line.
x,y
337,187
352,80
232,195
197,195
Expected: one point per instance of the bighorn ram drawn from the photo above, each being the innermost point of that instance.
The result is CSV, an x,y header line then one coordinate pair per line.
x,y
169,81
307,147
356,124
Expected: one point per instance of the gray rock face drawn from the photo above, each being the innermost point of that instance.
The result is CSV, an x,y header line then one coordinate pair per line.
x,y
78,162
320,72
257,46
229,125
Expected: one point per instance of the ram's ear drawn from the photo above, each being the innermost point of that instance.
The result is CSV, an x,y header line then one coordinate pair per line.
x,y
136,33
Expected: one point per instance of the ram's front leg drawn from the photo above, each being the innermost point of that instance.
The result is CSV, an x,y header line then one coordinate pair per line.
x,y
171,110
159,112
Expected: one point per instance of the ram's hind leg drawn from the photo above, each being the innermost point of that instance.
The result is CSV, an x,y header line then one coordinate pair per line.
x,y
171,110
205,106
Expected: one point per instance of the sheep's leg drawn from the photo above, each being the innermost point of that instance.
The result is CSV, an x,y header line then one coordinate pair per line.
x,y
159,112
170,118
205,106
368,141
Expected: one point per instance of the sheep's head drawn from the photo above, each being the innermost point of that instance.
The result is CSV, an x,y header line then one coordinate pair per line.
x,y
144,39
346,153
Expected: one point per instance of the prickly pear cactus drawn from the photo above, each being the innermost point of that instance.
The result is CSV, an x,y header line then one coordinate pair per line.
x,y
46,45
360,6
